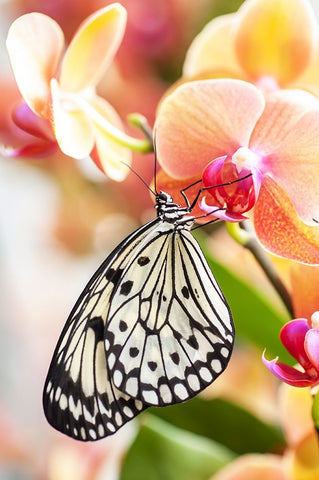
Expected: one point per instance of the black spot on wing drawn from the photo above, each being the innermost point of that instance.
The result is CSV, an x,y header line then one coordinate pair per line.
x,y
143,261
126,287
175,358
134,352
123,326
185,292
114,275
152,366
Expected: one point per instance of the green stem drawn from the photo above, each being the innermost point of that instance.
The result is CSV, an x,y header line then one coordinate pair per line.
x,y
138,120
242,235
135,144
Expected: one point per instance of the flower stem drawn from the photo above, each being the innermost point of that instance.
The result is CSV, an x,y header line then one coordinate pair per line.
x,y
135,144
242,234
138,120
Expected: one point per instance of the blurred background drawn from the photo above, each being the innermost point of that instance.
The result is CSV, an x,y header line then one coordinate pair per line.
x,y
60,218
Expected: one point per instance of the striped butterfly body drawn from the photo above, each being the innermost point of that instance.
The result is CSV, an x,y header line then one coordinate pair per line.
x,y
151,328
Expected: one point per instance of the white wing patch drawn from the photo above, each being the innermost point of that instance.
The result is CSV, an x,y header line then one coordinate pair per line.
x,y
152,327
170,332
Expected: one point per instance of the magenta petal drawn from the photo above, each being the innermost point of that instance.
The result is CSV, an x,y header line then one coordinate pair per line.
x,y
292,336
288,374
219,212
31,123
312,347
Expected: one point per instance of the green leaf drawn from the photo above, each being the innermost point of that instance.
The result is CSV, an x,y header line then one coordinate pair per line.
x,y
161,451
255,318
224,422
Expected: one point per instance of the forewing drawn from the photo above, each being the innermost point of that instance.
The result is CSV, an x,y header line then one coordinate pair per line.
x,y
173,335
79,397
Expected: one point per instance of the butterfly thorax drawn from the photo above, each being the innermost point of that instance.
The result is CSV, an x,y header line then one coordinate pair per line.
x,y
173,213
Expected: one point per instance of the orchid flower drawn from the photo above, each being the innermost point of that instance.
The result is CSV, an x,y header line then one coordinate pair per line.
x,y
302,342
61,88
272,44
220,131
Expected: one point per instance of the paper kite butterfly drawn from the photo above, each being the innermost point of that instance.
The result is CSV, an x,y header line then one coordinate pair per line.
x,y
151,328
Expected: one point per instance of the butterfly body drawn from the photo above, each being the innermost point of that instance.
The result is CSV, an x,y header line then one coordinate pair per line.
x,y
151,327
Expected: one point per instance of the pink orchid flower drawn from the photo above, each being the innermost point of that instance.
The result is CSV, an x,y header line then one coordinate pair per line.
x,y
272,44
218,131
302,342
60,88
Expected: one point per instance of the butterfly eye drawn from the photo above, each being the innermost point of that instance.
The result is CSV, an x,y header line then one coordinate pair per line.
x,y
164,197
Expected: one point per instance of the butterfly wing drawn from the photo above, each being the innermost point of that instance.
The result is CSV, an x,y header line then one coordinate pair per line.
x,y
79,397
173,335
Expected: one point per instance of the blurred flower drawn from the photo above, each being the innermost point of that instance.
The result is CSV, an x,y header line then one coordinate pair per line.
x,y
253,466
219,131
83,123
268,43
302,342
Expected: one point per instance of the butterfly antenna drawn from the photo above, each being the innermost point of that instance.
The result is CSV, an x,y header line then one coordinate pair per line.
x,y
140,177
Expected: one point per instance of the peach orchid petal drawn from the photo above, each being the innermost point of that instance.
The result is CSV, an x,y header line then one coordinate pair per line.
x,y
286,136
93,48
280,230
73,130
253,466
204,120
173,187
110,156
295,412
303,460
213,49
275,38
305,291
35,43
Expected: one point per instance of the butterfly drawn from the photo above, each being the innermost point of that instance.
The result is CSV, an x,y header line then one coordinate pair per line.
x,y
151,328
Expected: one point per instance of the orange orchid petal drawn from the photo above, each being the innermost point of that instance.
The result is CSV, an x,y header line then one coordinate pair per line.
x,y
295,412
111,157
303,461
35,43
275,38
204,120
304,288
173,187
213,49
286,136
93,48
73,130
252,467
279,228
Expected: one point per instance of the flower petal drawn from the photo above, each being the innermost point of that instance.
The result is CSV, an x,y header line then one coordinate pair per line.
x,y
204,120
292,336
213,49
252,467
111,157
279,228
35,43
304,289
73,130
173,187
295,412
312,347
287,138
288,374
219,212
26,119
93,48
276,38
